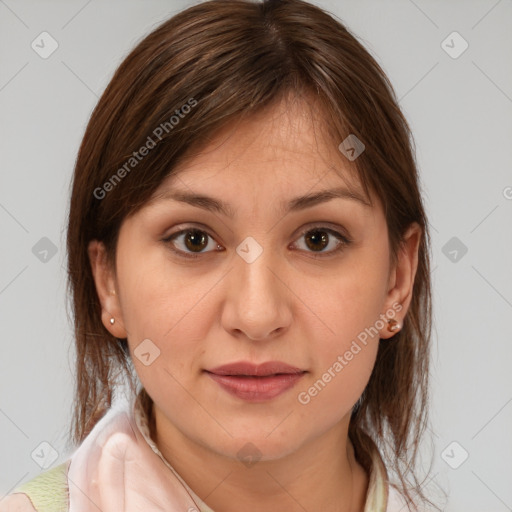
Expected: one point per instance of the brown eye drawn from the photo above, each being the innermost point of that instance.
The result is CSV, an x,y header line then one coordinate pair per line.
x,y
195,240
191,242
317,239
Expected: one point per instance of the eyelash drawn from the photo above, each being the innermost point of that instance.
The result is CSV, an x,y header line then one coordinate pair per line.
x,y
344,241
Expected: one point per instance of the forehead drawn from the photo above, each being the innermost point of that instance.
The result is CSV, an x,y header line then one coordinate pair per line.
x,y
283,150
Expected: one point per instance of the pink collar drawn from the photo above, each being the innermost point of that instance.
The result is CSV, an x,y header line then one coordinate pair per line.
x,y
114,469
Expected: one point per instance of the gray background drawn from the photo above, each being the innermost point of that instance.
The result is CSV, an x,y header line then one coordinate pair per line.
x,y
460,110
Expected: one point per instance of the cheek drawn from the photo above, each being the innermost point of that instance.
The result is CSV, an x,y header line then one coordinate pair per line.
x,y
346,357
161,311
171,306
339,379
159,297
353,302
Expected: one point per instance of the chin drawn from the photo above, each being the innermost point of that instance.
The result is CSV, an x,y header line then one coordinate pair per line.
x,y
260,447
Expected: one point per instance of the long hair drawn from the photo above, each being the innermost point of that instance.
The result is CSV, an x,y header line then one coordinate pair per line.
x,y
210,66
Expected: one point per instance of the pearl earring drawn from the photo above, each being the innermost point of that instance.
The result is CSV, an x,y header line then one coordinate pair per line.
x,y
112,320
393,325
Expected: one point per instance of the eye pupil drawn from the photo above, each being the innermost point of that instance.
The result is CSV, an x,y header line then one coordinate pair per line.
x,y
198,240
314,236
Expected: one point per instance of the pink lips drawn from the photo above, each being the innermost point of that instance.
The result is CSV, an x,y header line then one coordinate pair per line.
x,y
256,383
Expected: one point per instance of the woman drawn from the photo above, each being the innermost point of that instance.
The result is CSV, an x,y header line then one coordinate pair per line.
x,y
247,243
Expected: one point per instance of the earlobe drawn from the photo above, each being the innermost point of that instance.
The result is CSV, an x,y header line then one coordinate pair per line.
x,y
402,279
106,290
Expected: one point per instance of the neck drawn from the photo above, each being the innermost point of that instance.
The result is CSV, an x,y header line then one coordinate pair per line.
x,y
311,478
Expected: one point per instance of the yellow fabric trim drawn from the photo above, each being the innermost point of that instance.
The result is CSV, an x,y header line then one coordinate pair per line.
x,y
48,491
377,495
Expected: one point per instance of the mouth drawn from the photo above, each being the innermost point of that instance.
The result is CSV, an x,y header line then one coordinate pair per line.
x,y
256,383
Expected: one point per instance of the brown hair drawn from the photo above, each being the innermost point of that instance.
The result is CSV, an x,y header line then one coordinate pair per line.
x,y
228,59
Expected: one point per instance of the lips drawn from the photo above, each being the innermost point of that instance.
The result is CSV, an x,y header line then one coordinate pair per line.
x,y
256,383
260,370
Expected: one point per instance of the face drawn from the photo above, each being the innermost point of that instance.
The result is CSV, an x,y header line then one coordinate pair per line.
x,y
308,286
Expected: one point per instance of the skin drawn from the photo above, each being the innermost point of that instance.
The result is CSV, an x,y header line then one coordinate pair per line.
x,y
286,305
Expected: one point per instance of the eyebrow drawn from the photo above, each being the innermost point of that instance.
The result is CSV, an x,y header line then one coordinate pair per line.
x,y
297,204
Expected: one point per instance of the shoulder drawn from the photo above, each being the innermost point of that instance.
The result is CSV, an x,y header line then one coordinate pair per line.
x,y
47,492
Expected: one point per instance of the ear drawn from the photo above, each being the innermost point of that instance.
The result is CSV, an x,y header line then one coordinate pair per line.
x,y
106,289
401,279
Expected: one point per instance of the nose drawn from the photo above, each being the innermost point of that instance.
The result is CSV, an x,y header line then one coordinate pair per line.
x,y
258,302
